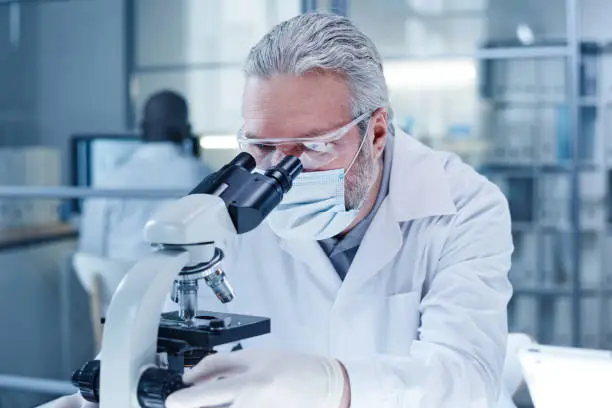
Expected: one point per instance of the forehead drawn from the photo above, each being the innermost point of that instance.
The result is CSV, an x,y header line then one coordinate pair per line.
x,y
294,106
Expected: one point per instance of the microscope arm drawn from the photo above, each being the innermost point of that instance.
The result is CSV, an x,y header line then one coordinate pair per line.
x,y
191,221
129,344
132,322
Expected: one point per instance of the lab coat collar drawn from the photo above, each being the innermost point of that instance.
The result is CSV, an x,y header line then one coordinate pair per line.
x,y
381,242
419,186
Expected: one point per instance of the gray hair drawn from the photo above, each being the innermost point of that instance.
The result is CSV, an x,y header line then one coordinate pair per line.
x,y
327,42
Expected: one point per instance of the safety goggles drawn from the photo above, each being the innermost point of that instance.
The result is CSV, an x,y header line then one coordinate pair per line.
x,y
314,152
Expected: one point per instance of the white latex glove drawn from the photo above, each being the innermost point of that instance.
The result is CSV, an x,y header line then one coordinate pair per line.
x,y
262,378
70,401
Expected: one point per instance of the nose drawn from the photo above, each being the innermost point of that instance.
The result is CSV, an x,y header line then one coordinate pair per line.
x,y
291,149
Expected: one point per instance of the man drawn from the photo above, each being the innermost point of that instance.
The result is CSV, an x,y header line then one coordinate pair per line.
x,y
112,228
384,270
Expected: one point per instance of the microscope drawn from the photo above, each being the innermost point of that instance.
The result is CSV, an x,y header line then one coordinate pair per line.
x,y
144,351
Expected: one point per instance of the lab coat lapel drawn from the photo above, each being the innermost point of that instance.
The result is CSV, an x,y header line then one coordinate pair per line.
x,y
319,265
380,244
418,188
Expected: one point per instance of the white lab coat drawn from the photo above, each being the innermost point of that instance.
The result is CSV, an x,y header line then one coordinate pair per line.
x,y
420,320
113,228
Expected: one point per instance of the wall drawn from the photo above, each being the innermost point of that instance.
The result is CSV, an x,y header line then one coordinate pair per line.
x,y
81,69
595,20
66,75
197,47
62,70
18,75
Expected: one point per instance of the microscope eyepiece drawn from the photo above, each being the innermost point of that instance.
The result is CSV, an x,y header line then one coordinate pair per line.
x,y
292,165
244,160
286,171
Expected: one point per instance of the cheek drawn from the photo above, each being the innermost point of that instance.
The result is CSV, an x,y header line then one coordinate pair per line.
x,y
341,161
344,155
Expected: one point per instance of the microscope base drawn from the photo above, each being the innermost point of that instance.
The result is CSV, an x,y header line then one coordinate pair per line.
x,y
178,346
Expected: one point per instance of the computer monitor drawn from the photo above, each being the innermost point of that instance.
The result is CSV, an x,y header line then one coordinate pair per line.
x,y
93,155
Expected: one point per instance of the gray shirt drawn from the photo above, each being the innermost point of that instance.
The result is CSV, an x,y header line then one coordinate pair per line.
x,y
341,251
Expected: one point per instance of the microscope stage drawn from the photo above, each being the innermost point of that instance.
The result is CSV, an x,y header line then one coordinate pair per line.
x,y
211,329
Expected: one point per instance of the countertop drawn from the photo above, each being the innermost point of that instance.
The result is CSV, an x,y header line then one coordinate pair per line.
x,y
19,237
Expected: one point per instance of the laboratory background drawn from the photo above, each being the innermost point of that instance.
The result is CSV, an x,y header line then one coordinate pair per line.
x,y
520,89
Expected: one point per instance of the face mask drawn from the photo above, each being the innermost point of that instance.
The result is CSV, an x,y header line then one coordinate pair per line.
x,y
314,208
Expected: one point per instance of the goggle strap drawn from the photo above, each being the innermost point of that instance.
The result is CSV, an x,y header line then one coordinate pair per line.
x,y
363,139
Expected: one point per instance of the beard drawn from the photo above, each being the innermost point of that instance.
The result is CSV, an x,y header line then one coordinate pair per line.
x,y
360,178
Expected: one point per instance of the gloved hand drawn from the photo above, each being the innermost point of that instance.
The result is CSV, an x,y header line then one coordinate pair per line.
x,y
261,378
70,401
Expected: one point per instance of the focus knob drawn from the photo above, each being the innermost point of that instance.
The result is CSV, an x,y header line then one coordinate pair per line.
x,y
156,385
87,380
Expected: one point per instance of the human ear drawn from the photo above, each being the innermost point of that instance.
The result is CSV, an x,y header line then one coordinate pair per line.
x,y
379,132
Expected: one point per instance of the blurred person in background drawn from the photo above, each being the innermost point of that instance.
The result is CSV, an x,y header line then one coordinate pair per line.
x,y
384,269
113,228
